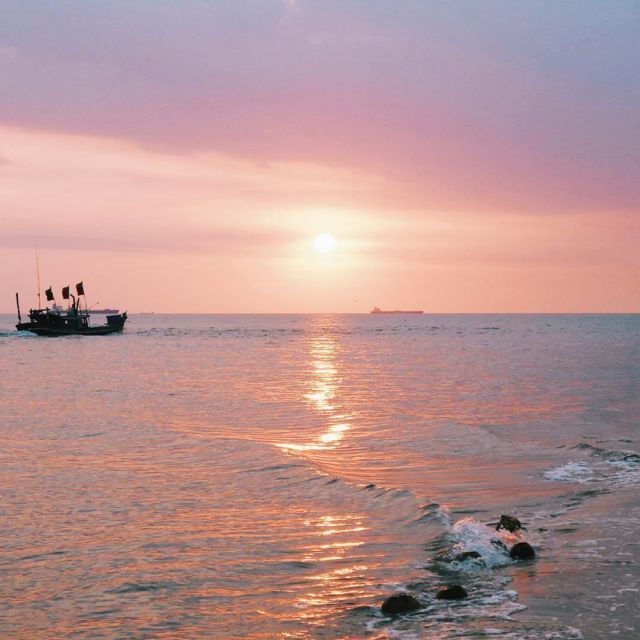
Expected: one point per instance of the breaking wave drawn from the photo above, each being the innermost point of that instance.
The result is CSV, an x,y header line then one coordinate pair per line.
x,y
469,553
603,468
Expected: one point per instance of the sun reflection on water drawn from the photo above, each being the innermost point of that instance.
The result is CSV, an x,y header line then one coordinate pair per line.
x,y
340,573
321,395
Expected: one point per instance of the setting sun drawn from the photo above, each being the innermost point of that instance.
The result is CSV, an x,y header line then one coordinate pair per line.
x,y
324,243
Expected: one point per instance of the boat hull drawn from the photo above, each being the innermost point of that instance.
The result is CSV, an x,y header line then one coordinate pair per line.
x,y
92,331
115,324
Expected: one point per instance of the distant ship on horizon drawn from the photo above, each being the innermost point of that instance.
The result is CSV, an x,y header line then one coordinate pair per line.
x,y
60,309
106,311
378,310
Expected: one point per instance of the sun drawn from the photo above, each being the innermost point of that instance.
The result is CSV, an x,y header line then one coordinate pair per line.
x,y
324,243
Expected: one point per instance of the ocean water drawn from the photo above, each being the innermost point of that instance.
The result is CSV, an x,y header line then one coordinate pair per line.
x,y
278,476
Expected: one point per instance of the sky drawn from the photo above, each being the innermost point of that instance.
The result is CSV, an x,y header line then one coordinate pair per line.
x,y
181,156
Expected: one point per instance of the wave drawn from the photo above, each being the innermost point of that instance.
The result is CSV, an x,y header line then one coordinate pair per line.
x,y
17,334
274,332
603,468
613,455
470,553
396,528
217,332
460,550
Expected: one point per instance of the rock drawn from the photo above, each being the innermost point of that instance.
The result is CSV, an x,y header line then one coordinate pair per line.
x,y
461,557
501,545
399,603
522,551
509,523
454,592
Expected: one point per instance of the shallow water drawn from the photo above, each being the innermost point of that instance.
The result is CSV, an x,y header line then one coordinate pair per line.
x,y
279,476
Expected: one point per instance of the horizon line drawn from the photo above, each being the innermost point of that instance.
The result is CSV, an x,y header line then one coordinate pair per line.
x,y
368,313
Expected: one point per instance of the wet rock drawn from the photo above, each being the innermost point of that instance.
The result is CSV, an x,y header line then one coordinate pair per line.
x,y
501,545
522,551
461,557
399,603
454,592
510,523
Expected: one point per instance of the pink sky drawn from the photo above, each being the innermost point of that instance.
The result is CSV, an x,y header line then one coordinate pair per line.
x,y
182,156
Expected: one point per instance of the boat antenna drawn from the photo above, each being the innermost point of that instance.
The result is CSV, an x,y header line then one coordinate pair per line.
x,y
38,276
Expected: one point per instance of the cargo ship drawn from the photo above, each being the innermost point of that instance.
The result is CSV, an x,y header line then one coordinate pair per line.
x,y
378,310
105,311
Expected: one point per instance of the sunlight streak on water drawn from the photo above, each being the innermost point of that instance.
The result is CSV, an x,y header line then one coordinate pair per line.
x,y
323,390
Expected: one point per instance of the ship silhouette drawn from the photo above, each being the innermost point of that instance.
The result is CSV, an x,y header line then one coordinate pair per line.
x,y
378,310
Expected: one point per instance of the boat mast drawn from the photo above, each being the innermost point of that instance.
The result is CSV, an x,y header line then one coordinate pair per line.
x,y
18,305
38,277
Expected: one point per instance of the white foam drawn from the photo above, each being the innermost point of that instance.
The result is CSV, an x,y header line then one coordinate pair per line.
x,y
380,624
616,472
470,535
491,604
565,633
624,472
571,472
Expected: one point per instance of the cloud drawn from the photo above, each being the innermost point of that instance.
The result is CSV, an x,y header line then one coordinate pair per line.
x,y
228,241
79,192
494,106
205,143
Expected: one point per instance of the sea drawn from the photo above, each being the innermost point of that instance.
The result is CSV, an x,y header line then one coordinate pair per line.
x,y
280,476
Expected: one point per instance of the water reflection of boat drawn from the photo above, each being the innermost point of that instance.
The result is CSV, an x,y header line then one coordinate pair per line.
x,y
56,321
378,310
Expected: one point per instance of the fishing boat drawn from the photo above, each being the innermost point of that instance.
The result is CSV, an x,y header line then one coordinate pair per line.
x,y
378,310
56,321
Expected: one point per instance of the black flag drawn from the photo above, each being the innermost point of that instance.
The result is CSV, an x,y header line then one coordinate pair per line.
x,y
49,294
80,289
65,293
